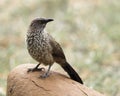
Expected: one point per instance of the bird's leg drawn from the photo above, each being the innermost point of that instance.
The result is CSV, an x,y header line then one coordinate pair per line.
x,y
47,73
35,68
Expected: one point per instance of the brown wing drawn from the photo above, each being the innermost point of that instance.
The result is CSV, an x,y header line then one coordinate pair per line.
x,y
57,51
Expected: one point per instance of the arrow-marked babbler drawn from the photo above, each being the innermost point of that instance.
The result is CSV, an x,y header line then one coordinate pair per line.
x,y
44,49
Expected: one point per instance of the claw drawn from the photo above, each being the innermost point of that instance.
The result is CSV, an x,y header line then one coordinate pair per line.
x,y
44,75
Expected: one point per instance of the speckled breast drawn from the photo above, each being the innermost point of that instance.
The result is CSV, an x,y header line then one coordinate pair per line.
x,y
39,48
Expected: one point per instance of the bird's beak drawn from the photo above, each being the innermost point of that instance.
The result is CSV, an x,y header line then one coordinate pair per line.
x,y
48,20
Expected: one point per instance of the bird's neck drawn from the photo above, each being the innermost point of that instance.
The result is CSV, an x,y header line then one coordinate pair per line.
x,y
35,31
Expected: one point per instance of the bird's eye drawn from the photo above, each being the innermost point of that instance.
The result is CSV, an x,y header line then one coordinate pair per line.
x,y
41,21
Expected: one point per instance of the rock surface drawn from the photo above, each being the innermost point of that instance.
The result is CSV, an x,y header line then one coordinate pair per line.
x,y
21,83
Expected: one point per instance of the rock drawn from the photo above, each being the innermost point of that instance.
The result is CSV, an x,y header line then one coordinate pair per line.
x,y
21,83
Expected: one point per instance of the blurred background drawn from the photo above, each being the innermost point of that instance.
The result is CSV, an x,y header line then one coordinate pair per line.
x,y
88,31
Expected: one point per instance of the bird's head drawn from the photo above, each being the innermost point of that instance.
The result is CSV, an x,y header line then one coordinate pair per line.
x,y
39,23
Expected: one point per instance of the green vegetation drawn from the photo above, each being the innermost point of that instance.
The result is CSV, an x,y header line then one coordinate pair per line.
x,y
88,30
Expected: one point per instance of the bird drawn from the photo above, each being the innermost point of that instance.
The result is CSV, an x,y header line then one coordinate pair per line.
x,y
43,48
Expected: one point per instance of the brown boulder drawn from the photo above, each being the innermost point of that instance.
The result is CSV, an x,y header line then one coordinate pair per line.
x,y
21,83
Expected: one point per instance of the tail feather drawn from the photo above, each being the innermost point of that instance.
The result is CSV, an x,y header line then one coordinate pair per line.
x,y
71,72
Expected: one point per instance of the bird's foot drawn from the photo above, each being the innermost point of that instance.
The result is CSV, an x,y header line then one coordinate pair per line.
x,y
44,75
35,69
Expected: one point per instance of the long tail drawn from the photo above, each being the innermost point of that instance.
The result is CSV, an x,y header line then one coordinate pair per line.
x,y
71,72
